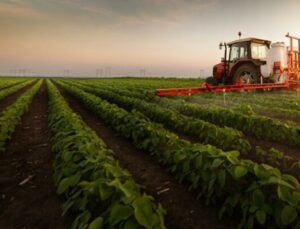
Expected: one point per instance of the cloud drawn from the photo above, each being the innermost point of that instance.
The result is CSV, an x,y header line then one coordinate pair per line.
x,y
142,12
14,9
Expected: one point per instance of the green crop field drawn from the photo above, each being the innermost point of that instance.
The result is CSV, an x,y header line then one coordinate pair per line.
x,y
109,153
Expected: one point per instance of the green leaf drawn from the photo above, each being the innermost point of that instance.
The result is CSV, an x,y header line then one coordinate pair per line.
x,y
253,209
222,178
81,220
143,211
97,223
67,205
118,213
277,181
260,216
132,224
288,215
216,163
105,191
240,171
258,197
67,182
286,194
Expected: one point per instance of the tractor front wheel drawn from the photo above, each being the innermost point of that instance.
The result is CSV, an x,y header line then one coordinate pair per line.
x,y
212,81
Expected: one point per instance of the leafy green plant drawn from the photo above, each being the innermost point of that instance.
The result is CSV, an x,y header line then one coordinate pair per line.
x,y
207,133
274,157
244,109
11,116
260,194
258,126
98,191
14,88
10,82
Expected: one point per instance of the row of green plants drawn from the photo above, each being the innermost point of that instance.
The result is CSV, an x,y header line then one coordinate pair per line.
x,y
271,156
256,125
97,190
284,115
262,99
7,82
11,90
258,107
145,83
118,89
11,116
257,194
207,133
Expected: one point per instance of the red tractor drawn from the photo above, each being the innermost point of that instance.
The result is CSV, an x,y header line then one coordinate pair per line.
x,y
246,56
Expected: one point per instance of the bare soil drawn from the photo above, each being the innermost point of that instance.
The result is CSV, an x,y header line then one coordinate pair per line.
x,y
27,193
184,211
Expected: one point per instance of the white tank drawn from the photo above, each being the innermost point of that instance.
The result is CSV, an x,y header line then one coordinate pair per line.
x,y
277,53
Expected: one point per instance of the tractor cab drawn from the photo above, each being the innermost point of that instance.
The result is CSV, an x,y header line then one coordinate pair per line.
x,y
241,62
248,49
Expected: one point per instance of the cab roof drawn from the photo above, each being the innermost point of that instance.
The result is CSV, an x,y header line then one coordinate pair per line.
x,y
251,39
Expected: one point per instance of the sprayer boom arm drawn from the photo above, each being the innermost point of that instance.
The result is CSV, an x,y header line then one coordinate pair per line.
x,y
226,88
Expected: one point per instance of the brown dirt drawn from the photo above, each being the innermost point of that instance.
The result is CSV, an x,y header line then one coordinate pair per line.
x,y
34,204
183,208
8,100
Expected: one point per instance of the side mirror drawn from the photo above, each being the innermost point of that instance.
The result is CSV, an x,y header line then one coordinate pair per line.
x,y
220,46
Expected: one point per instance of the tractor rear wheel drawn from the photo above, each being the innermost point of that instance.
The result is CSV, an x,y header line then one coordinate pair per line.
x,y
212,81
246,74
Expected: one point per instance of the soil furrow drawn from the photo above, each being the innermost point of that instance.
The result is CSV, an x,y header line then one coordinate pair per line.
x,y
28,195
183,208
10,99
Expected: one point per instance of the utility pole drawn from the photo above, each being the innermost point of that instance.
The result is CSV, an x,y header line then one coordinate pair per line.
x,y
108,71
201,73
21,72
66,73
99,72
142,72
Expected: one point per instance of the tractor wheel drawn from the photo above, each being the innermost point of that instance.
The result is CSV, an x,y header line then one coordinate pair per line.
x,y
246,74
212,81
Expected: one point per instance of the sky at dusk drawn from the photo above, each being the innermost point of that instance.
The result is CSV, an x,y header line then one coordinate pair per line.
x,y
164,37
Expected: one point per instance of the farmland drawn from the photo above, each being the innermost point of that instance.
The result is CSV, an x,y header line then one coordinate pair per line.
x,y
109,153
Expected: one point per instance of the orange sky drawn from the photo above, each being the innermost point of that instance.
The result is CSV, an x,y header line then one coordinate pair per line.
x,y
166,37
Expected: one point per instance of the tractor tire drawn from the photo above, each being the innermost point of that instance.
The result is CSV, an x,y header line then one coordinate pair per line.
x,y
212,81
247,74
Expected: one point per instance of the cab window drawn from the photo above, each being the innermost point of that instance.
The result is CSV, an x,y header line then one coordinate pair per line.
x,y
259,51
243,52
238,52
234,53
